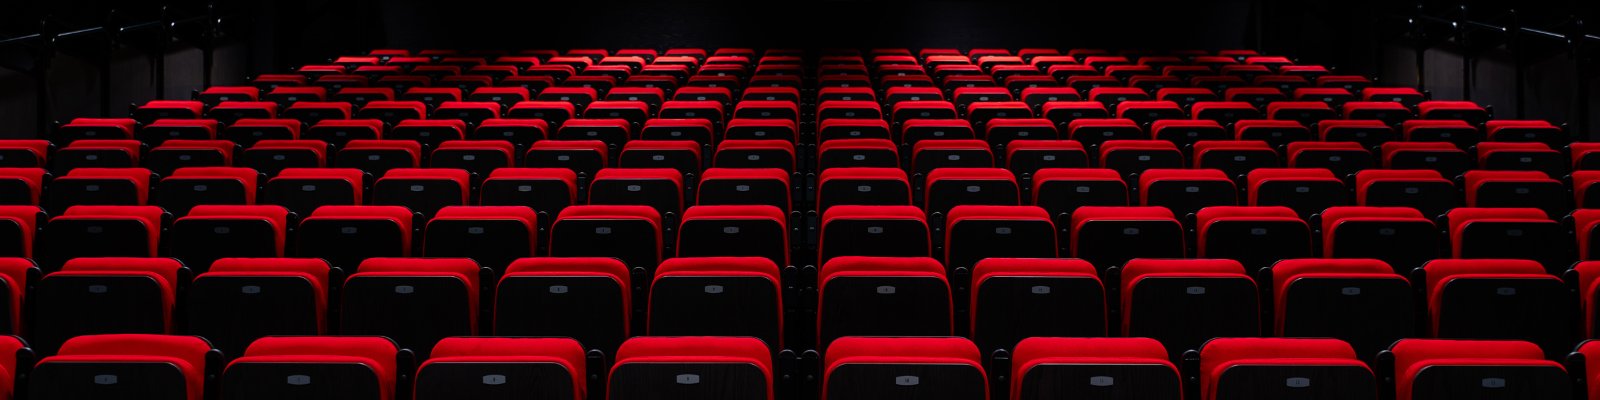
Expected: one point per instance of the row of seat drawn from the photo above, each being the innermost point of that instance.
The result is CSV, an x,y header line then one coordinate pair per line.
x,y
779,70
674,181
182,367
975,105
601,302
1311,202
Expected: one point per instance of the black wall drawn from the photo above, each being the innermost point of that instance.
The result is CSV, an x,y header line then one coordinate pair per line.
x,y
1365,37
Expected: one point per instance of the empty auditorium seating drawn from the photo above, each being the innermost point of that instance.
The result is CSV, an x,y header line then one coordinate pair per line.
x,y
800,225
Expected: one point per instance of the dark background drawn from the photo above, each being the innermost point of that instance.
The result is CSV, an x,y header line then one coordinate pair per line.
x,y
1362,37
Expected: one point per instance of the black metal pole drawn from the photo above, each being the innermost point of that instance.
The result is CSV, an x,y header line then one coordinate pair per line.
x,y
41,76
209,46
1514,45
105,65
163,39
1421,51
1466,54
1577,38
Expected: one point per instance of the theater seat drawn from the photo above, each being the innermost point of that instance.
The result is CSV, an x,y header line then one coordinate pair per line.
x,y
1063,190
1307,191
1018,298
1400,237
1235,368
875,296
1507,233
273,156
1423,190
587,299
377,157
586,157
1110,236
974,233
1256,237
303,190
1514,189
1184,303
922,368
1360,301
1452,369
1186,192
682,367
176,154
863,186
370,367
735,231
213,232
98,154
128,366
546,190
504,368
103,231
126,295
1505,156
659,188
416,302
20,230
347,235
492,236
1050,367
196,186
876,231
1495,299
23,186
632,234
718,296
423,190
243,299
947,188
